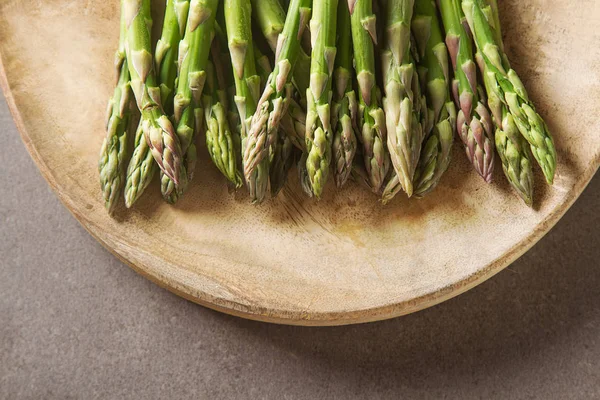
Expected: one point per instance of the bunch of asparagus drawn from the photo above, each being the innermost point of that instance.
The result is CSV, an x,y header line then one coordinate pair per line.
x,y
353,88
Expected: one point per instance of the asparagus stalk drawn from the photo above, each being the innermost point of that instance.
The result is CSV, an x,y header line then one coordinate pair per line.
x,y
345,105
405,133
141,168
194,50
273,103
474,121
510,144
291,132
114,152
226,83
421,124
167,49
371,118
504,84
247,85
434,76
158,130
514,154
271,18
220,140
293,123
319,133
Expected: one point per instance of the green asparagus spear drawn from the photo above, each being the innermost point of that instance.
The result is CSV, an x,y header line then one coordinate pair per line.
x,y
402,112
293,123
505,85
345,106
421,125
510,144
273,103
271,17
371,119
194,50
167,49
474,121
221,136
141,168
158,130
319,134
226,83
247,84
514,154
114,152
220,140
239,37
291,132
434,77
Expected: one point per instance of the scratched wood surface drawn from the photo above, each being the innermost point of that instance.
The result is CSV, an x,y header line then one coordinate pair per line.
x,y
345,259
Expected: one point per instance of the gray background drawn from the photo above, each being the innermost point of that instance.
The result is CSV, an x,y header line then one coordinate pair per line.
x,y
77,323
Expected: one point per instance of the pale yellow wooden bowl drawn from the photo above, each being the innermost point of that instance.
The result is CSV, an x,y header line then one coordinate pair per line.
x,y
345,259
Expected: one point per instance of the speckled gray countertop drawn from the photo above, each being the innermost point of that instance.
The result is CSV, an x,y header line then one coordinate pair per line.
x,y
75,323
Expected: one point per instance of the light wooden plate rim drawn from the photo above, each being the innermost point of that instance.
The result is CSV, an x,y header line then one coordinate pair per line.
x,y
288,317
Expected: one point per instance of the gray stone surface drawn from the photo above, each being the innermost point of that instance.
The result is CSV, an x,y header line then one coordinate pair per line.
x,y
75,323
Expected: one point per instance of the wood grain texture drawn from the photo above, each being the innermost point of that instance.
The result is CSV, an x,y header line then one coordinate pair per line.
x,y
345,259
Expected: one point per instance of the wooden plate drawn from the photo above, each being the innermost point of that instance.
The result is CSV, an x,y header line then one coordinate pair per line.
x,y
345,259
